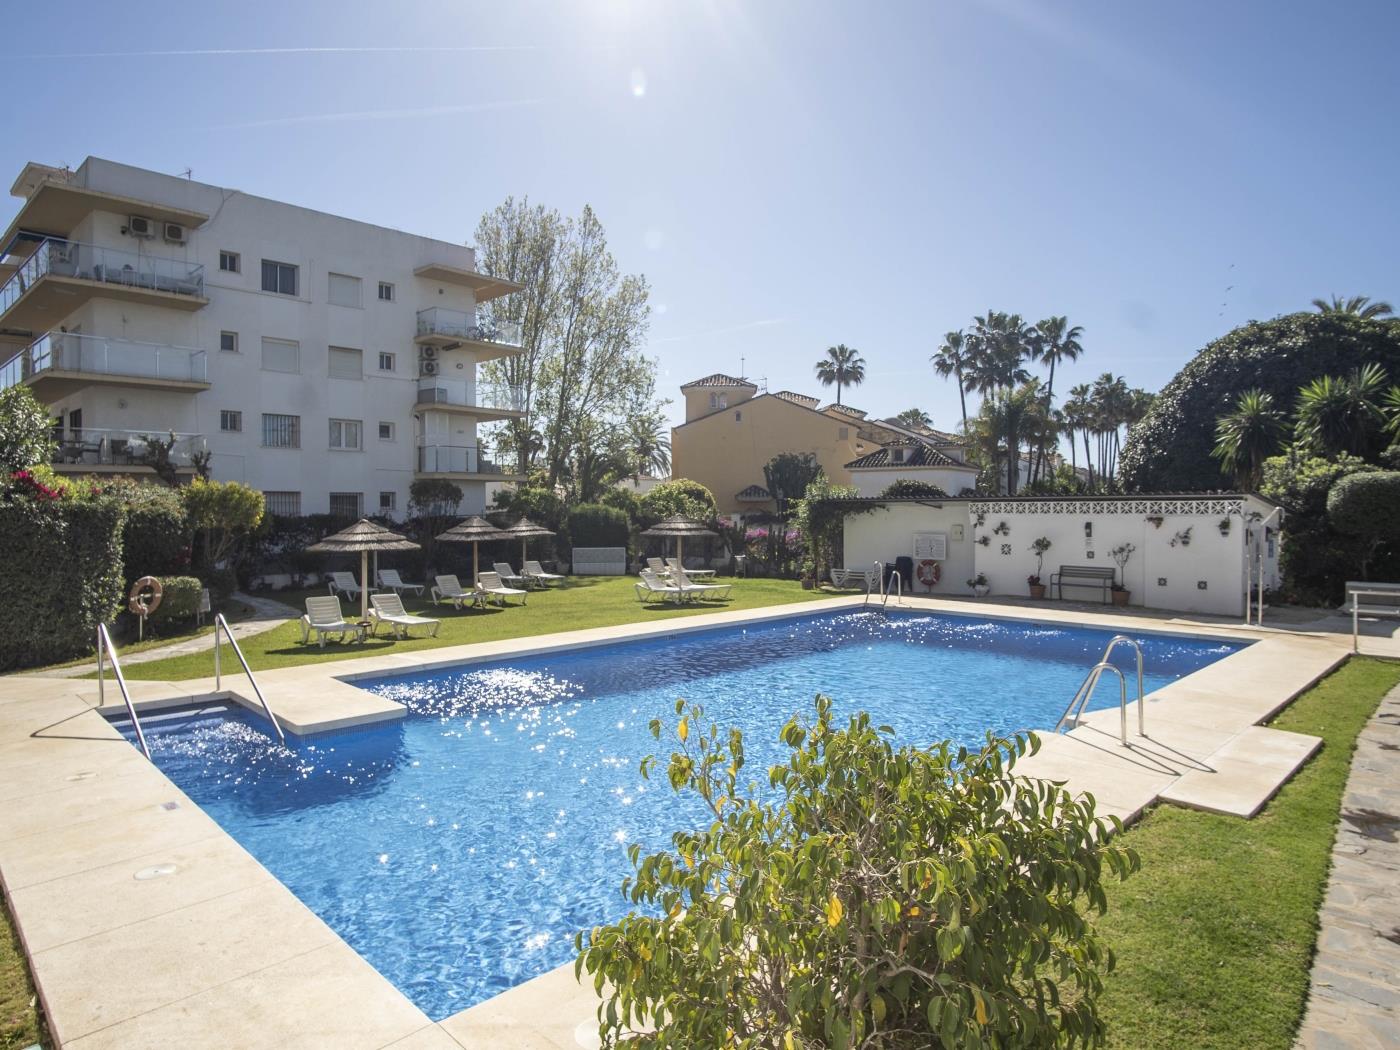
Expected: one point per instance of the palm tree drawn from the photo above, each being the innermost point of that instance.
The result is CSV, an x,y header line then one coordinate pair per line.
x,y
1342,414
915,419
1079,413
1000,343
842,366
951,360
1055,340
1391,408
1005,417
650,446
1249,435
1356,306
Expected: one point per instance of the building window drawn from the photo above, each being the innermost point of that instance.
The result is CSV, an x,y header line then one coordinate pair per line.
x,y
228,341
738,416
345,435
281,355
386,361
282,504
388,501
346,363
344,290
347,504
230,262
843,434
719,400
386,292
279,277
386,431
281,431
230,420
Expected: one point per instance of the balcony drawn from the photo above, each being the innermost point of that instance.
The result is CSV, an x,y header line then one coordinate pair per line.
x,y
484,402
460,330
63,275
472,462
58,363
93,450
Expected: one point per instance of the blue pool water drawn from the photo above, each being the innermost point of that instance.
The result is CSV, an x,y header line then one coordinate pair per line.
x,y
460,849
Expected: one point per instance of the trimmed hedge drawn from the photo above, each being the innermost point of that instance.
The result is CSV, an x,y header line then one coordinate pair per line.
x,y
155,532
62,566
1170,449
594,525
179,600
909,487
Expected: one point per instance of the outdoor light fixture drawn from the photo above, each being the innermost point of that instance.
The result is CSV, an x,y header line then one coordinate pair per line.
x,y
1088,530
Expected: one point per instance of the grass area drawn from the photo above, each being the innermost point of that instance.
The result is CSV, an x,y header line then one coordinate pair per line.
x,y
1214,936
579,603
234,611
20,1022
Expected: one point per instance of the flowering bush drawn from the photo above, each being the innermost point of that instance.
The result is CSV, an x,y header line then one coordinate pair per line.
x,y
23,483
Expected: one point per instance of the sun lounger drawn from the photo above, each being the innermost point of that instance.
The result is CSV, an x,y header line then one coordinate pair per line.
x,y
690,588
390,579
490,584
695,574
534,571
344,583
388,608
323,616
658,566
508,575
653,588
449,589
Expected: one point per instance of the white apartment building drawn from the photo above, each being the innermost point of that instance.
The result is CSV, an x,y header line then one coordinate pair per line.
x,y
327,362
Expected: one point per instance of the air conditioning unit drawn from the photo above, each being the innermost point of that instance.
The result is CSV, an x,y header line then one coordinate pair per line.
x,y
140,226
429,353
429,368
174,232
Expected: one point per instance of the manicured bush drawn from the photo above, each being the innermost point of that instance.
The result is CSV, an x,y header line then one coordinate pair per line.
x,y
908,487
681,496
1170,449
25,435
875,896
537,503
225,512
179,599
594,525
1367,506
155,530
62,566
222,583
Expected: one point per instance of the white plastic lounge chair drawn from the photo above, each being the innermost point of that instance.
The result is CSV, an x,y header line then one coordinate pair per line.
x,y
535,571
653,588
489,584
658,566
449,589
390,579
323,616
508,575
344,583
694,574
698,590
388,608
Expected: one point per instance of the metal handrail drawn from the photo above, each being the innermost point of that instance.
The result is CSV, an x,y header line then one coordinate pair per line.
x,y
220,624
104,645
879,567
1085,692
898,589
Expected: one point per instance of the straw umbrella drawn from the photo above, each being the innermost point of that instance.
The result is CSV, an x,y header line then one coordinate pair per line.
x,y
363,536
524,530
473,530
679,526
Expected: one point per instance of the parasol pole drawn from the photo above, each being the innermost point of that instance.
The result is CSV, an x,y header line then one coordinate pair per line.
x,y
474,562
524,541
364,585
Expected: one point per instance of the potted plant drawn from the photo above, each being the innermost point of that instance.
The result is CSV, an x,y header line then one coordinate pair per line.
x,y
1038,548
1121,554
809,575
980,586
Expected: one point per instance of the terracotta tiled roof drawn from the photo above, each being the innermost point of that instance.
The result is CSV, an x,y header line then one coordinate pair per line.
x,y
800,399
753,494
919,455
718,379
845,410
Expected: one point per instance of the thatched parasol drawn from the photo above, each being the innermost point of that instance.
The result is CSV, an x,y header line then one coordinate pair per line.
x,y
679,526
473,530
524,530
363,536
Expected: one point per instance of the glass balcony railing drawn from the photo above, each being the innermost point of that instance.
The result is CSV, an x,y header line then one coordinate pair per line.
x,y
97,355
459,459
96,446
458,324
88,262
457,392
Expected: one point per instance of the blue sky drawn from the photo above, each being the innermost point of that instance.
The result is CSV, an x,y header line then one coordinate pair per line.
x,y
790,175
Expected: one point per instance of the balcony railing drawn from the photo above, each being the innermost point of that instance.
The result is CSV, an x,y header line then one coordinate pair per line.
x,y
459,459
456,392
71,352
96,446
89,262
458,324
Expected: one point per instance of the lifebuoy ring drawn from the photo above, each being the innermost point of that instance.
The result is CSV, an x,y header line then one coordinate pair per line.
x,y
145,596
929,572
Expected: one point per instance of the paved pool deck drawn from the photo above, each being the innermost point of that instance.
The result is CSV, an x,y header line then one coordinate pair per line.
x,y
147,925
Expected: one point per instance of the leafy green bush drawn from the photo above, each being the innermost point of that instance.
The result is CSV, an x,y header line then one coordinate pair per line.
x,y
909,487
537,503
681,496
155,530
179,598
594,525
1367,506
225,511
26,439
222,583
909,897
62,566
1171,447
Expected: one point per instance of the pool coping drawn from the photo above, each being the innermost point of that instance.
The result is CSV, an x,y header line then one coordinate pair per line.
x,y
222,953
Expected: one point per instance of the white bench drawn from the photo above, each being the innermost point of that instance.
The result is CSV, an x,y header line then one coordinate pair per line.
x,y
600,561
1369,599
842,579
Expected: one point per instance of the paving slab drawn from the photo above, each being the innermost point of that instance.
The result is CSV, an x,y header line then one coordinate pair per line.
x,y
1245,773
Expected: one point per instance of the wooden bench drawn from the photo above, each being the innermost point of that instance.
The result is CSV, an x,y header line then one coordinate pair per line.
x,y
1090,576
1370,599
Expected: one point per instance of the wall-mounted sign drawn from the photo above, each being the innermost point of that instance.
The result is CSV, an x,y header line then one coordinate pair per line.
x,y
930,545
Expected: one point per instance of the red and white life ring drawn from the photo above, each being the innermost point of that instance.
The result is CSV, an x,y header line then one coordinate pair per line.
x,y
145,596
929,572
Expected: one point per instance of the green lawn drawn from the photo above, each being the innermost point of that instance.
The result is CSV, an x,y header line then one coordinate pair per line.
x,y
20,1023
1214,936
579,603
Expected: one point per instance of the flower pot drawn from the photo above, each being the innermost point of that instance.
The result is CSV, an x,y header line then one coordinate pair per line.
x,y
1037,591
1120,597
808,583
981,590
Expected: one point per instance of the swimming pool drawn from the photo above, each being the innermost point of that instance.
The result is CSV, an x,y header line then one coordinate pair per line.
x,y
460,849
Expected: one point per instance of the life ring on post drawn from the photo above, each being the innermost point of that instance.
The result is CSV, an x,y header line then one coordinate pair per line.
x,y
929,572
145,596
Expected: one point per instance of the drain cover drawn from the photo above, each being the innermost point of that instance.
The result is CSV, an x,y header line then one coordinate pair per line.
x,y
157,871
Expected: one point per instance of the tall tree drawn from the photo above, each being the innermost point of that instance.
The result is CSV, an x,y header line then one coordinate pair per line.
x,y
951,360
1000,344
1079,415
1055,340
1356,306
915,419
1248,436
649,441
842,366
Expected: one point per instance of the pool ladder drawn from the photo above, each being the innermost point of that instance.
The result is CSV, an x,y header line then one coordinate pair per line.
x,y
107,649
884,594
221,627
1086,691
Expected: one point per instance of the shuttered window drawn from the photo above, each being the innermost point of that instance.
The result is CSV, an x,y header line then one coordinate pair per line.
x,y
281,355
344,290
346,363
